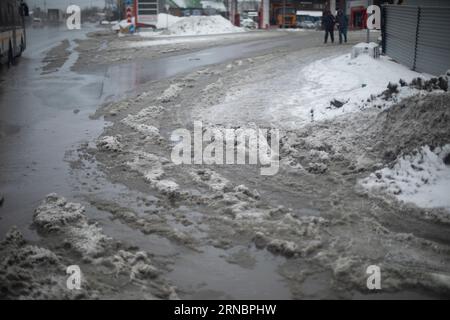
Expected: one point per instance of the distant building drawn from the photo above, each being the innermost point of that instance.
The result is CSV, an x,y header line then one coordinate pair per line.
x,y
271,11
146,11
54,15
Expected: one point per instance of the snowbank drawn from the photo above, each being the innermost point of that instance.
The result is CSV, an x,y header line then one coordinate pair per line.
x,y
191,26
176,27
422,178
165,20
349,81
202,25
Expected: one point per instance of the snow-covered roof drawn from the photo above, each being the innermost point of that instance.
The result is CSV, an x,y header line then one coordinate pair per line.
x,y
309,13
218,5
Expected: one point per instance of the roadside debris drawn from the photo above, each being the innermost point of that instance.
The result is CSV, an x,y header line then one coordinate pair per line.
x,y
336,103
124,27
371,49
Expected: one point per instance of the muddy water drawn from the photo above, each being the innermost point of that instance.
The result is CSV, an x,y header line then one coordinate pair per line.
x,y
42,132
128,77
206,275
45,114
41,108
357,231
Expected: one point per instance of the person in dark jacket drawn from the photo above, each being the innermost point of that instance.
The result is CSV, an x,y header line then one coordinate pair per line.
x,y
342,22
328,23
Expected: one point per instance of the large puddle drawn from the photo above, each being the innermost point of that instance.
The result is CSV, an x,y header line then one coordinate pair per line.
x,y
44,116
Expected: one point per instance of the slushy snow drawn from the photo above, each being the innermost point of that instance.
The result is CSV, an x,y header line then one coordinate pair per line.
x,y
351,81
309,90
421,178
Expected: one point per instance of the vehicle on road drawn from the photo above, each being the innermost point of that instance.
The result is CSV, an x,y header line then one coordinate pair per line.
x,y
309,19
285,17
306,25
37,23
248,23
12,30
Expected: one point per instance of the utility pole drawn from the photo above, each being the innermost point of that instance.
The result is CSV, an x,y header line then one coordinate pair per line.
x,y
369,3
232,5
167,14
333,7
284,14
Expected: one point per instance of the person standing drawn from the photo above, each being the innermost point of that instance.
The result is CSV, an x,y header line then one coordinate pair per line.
x,y
342,22
328,23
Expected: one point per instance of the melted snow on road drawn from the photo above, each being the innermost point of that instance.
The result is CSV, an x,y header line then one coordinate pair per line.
x,y
300,94
350,81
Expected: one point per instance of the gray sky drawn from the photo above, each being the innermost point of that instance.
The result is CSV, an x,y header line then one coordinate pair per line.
x,y
62,4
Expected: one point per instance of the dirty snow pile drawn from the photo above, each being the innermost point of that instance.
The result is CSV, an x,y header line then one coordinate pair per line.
x,y
109,144
321,90
165,20
202,25
29,271
56,215
349,83
422,178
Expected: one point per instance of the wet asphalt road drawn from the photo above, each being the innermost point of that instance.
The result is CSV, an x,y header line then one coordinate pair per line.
x,y
44,115
38,126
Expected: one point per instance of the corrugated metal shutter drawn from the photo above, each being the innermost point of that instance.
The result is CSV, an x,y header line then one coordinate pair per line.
x,y
433,41
401,27
418,37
